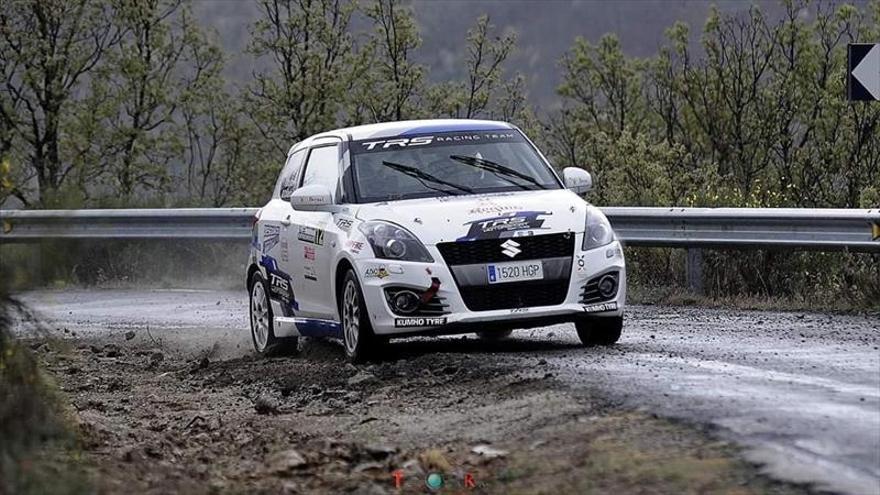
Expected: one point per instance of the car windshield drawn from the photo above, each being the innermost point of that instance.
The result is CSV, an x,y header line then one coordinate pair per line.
x,y
447,164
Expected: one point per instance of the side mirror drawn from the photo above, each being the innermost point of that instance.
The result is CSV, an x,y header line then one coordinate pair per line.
x,y
577,179
311,197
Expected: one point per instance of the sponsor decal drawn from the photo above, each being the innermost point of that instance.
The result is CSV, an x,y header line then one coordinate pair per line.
x,y
285,251
312,200
580,264
419,321
280,285
477,137
875,231
311,235
595,308
309,253
376,272
271,236
255,238
505,225
519,310
309,273
493,208
344,223
355,246
437,139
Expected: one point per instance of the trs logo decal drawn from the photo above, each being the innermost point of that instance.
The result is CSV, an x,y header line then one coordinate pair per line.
x,y
344,223
280,286
271,236
401,142
507,225
278,282
875,231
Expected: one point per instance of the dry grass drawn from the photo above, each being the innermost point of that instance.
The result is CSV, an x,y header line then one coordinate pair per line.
x,y
38,451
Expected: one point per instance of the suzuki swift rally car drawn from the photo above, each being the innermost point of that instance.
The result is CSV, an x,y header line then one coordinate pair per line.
x,y
429,227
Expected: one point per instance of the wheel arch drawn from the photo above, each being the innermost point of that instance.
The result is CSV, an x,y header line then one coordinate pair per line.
x,y
342,266
250,275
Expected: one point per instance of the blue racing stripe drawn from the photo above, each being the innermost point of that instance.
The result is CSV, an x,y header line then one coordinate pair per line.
x,y
308,327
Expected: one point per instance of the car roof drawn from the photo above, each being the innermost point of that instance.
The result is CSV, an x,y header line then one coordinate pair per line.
x,y
408,127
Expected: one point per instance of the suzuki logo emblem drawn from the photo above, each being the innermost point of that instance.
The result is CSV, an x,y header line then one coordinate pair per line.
x,y
510,248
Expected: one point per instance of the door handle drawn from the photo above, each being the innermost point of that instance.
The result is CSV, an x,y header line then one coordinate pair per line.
x,y
286,222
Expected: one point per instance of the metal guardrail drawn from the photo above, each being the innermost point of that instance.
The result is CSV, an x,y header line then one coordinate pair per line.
x,y
792,228
179,223
825,229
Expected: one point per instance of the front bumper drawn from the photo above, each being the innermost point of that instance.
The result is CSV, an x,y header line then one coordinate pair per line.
x,y
376,275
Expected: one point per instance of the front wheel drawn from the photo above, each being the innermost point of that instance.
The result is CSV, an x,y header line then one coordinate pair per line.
x,y
360,343
599,330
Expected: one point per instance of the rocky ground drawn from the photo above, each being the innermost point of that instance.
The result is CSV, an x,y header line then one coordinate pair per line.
x,y
155,422
170,398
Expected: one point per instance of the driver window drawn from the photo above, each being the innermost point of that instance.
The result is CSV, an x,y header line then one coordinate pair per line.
x,y
287,180
322,167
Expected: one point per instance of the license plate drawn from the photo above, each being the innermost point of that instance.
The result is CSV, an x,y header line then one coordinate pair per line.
x,y
519,271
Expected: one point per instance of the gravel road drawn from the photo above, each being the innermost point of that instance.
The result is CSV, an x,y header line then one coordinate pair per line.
x,y
799,391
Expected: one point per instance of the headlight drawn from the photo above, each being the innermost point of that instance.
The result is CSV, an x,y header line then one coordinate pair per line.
x,y
598,231
393,242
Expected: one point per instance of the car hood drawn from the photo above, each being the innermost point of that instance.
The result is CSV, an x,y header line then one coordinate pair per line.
x,y
487,216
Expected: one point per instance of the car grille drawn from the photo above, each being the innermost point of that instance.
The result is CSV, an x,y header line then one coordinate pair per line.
x,y
489,250
590,293
514,295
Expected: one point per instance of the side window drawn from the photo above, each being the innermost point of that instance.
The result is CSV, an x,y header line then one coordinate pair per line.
x,y
287,180
322,167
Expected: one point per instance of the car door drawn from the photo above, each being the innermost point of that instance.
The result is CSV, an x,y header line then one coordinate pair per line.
x,y
315,235
274,238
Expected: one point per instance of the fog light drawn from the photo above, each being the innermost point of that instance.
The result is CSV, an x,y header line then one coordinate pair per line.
x,y
405,301
608,285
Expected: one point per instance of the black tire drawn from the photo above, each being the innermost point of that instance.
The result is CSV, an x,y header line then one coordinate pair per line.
x,y
360,342
494,336
599,330
265,342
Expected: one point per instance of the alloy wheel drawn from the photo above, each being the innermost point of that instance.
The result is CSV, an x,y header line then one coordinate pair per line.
x,y
260,316
351,312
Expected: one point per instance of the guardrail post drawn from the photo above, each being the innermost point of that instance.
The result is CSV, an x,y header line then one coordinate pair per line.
x,y
694,270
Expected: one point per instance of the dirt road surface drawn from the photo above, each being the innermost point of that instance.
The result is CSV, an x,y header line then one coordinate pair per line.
x,y
170,396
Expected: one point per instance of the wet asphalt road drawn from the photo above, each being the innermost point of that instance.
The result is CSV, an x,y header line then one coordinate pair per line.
x,y
801,391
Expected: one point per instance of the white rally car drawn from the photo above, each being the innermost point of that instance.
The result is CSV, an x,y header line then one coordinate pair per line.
x,y
429,227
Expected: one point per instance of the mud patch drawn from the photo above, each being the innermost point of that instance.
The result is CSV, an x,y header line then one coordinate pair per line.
x,y
156,421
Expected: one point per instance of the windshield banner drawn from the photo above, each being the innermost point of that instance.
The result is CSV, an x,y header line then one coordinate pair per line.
x,y
436,139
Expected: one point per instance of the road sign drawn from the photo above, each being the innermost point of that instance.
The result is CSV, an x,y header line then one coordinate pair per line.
x,y
863,72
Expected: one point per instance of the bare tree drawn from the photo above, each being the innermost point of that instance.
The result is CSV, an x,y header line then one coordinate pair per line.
x,y
47,47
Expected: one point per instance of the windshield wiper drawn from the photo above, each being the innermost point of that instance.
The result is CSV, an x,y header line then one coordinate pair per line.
x,y
497,169
422,176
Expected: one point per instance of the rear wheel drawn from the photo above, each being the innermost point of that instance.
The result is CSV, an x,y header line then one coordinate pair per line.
x,y
361,344
599,330
494,335
262,321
